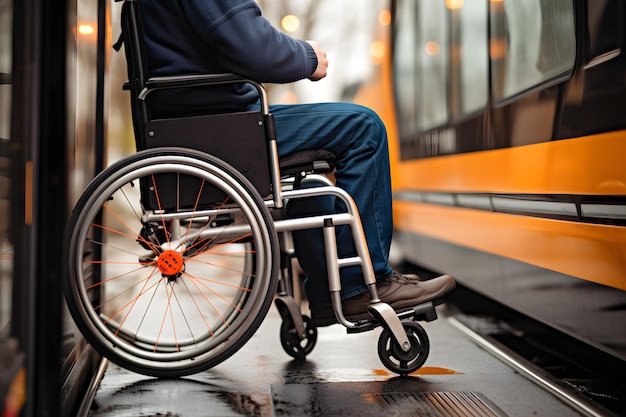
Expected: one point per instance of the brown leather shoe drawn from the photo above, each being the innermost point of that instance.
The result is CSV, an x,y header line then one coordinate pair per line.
x,y
401,292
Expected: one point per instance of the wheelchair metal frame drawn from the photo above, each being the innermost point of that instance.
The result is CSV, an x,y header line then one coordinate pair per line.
x,y
382,314
381,311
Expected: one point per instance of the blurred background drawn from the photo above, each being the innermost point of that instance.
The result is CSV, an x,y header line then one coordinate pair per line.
x,y
348,30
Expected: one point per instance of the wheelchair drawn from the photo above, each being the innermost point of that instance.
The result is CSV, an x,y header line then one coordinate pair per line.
x,y
176,253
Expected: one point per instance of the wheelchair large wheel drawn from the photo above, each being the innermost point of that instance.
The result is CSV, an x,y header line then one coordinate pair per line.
x,y
172,262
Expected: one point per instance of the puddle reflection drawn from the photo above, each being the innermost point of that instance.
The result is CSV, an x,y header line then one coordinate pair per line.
x,y
178,397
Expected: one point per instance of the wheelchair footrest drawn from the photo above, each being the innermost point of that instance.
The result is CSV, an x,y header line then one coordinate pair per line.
x,y
425,312
421,312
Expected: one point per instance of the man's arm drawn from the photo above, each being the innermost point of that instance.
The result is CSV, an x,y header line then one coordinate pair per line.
x,y
249,45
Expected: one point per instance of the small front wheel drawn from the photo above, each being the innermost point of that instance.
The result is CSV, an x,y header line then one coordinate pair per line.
x,y
292,343
397,360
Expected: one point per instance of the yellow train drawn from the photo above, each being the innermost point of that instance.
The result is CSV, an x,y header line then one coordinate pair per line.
x,y
507,124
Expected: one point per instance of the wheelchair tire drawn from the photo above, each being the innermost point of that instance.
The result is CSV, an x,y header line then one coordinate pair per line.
x,y
399,361
176,289
293,345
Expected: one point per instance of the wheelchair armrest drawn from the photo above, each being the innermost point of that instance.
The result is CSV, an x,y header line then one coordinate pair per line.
x,y
194,80
198,80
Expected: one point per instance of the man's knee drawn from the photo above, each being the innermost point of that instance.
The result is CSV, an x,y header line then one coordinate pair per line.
x,y
371,126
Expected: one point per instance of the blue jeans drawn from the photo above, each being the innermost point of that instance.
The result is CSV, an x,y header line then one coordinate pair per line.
x,y
358,138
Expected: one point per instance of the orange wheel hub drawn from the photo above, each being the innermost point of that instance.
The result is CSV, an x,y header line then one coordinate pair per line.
x,y
170,263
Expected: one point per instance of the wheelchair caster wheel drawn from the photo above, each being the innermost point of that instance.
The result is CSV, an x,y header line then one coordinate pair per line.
x,y
291,342
397,360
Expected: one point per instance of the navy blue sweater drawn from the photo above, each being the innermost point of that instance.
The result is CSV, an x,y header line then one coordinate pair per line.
x,y
218,36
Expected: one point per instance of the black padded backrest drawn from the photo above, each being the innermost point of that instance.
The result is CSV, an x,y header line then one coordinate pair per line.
x,y
136,65
237,138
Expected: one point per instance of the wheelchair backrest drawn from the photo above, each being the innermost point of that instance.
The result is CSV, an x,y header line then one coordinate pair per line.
x,y
237,138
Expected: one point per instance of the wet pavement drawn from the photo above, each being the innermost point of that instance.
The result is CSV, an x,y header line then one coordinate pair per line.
x,y
343,376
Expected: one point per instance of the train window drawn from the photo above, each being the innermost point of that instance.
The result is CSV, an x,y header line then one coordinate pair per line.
x,y
532,41
441,62
405,67
468,28
421,61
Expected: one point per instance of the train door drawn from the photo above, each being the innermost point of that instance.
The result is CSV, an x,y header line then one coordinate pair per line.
x,y
48,69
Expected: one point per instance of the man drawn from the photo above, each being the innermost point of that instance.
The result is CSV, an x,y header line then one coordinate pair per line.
x,y
218,36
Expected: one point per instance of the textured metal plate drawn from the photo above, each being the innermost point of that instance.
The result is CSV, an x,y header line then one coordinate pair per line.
x,y
338,399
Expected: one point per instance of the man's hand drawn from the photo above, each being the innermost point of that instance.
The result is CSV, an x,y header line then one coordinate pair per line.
x,y
322,62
